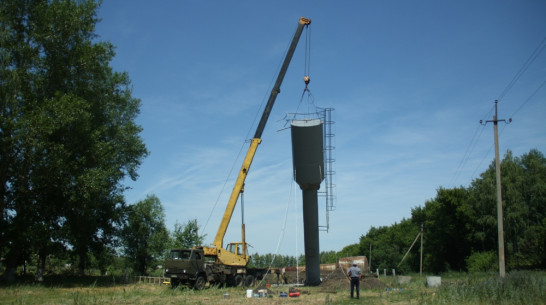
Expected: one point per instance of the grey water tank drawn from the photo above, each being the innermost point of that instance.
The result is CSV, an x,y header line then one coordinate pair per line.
x,y
307,153
308,161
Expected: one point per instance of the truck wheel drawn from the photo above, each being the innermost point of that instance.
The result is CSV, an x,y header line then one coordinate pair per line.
x,y
174,284
249,280
199,283
238,280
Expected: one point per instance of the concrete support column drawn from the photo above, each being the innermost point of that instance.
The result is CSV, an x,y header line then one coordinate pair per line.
x,y
311,237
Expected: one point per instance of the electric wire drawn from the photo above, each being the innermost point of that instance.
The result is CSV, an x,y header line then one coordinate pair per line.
x,y
467,153
470,149
502,130
524,68
488,153
528,99
482,160
534,55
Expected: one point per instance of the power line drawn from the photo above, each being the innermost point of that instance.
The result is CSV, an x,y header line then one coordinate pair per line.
x,y
487,154
473,142
524,68
467,153
529,98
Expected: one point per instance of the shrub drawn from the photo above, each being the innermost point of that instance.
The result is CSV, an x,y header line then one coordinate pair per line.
x,y
482,261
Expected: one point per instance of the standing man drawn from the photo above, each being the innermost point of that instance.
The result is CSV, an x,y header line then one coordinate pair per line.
x,y
355,274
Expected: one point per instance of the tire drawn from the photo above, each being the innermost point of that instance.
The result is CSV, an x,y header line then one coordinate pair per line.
x,y
249,280
174,284
238,280
199,283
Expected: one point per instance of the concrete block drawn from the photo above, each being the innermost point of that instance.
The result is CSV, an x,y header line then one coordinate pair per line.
x,y
404,279
434,281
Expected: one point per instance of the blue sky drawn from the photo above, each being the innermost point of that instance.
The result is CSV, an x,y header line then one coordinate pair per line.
x,y
409,81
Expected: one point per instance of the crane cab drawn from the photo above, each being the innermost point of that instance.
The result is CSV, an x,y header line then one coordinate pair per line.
x,y
237,249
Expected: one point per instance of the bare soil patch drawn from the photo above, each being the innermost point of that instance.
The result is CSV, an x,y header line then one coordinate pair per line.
x,y
332,280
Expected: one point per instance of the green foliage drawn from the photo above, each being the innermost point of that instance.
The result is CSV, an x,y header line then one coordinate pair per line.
x,y
275,261
279,261
515,288
482,261
186,236
67,134
523,196
446,230
145,237
460,224
350,250
329,257
388,245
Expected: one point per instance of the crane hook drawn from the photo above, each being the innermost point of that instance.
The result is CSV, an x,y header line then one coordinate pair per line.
x,y
306,79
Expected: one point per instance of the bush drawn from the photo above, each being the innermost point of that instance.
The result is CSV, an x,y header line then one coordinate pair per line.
x,y
482,261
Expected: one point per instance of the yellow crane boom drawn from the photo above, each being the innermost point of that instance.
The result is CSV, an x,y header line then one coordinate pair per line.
x,y
236,255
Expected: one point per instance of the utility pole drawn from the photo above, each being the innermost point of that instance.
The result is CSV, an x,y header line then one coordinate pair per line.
x,y
500,229
421,263
370,263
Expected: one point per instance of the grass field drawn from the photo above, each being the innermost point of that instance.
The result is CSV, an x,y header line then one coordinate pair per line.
x,y
516,288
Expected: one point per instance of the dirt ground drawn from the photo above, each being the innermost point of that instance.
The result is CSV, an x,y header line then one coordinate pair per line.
x,y
332,280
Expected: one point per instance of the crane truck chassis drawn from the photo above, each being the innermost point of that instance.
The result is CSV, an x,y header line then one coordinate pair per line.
x,y
192,268
215,265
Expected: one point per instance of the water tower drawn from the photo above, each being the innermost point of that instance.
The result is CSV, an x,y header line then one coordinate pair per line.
x,y
308,162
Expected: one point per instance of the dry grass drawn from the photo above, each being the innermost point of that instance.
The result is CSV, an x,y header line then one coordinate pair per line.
x,y
520,288
151,294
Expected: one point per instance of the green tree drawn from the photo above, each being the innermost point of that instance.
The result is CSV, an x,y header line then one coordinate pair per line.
x,y
523,196
527,214
460,224
447,228
389,244
329,257
67,132
145,237
350,250
186,236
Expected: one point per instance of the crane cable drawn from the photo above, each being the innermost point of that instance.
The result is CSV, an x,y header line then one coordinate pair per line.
x,y
282,232
247,137
228,178
306,79
307,65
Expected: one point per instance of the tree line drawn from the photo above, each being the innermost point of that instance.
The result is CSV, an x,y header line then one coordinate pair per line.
x,y
460,224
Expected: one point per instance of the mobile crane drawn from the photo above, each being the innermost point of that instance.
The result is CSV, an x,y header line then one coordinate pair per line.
x,y
214,264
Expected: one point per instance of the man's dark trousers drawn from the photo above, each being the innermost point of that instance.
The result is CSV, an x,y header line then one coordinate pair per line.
x,y
355,283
